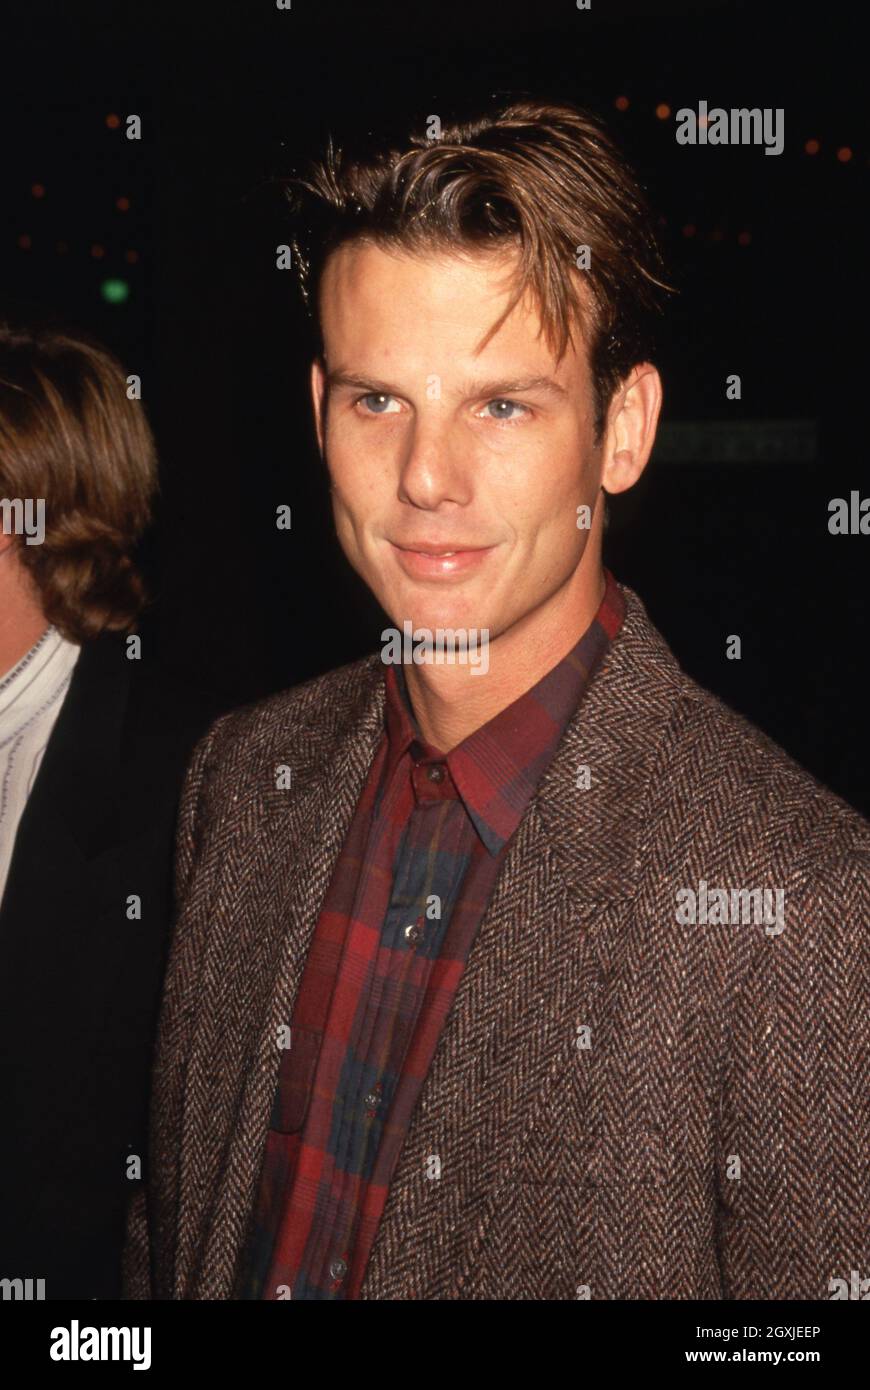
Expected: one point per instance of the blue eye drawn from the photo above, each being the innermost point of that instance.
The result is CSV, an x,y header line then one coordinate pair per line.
x,y
511,405
382,400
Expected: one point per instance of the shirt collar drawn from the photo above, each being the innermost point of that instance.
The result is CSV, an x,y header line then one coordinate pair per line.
x,y
34,682
497,768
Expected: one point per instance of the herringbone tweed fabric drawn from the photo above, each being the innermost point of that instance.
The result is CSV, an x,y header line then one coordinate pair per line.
x,y
606,1170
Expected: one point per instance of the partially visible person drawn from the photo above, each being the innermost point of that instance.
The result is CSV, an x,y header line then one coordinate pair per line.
x,y
93,744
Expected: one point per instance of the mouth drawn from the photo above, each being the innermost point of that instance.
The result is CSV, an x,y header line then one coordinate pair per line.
x,y
426,561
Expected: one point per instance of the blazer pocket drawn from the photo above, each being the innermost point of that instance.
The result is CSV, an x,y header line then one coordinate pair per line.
x,y
295,1080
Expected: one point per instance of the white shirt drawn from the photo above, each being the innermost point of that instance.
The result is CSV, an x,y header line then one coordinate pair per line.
x,y
31,695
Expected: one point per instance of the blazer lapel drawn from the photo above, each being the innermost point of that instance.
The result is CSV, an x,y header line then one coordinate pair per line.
x,y
290,841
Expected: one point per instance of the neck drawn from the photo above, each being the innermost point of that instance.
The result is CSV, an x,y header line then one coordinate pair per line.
x,y
22,621
450,702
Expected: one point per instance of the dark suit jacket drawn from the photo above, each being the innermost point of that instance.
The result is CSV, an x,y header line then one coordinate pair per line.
x,y
707,1139
79,981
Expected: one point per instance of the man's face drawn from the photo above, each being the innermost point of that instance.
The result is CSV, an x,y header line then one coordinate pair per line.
x,y
431,446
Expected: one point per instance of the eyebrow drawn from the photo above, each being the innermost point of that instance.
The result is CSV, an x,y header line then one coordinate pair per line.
x,y
473,390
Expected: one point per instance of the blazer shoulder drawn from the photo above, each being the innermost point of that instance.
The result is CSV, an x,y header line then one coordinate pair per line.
x,y
325,706
740,790
723,778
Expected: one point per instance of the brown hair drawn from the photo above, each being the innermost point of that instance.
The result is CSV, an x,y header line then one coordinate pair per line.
x,y
545,177
69,434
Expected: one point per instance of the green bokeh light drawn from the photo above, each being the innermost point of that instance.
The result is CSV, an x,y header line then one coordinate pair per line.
x,y
115,291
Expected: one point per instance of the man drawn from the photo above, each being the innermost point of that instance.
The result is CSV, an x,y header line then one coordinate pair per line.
x,y
531,972
93,744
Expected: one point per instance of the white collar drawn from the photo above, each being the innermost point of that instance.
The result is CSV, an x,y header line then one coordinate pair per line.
x,y
36,681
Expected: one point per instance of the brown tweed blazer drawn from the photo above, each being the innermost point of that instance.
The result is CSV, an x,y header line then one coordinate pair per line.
x,y
709,1137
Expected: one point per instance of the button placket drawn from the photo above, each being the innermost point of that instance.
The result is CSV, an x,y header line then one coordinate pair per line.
x,y
373,1100
414,931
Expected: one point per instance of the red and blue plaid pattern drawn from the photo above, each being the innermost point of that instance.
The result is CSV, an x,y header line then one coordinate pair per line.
x,y
409,890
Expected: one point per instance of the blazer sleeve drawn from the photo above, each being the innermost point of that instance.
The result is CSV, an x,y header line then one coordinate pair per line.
x,y
137,1259
793,1169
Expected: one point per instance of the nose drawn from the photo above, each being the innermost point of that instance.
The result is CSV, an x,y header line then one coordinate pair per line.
x,y
434,468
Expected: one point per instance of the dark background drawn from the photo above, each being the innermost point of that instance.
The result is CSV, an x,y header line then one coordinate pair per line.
x,y
768,254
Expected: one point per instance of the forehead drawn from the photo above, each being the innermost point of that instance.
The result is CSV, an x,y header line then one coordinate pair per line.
x,y
383,305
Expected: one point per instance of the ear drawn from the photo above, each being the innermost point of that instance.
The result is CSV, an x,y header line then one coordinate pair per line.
x,y
318,387
631,428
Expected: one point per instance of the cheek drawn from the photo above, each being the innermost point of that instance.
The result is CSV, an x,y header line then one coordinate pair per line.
x,y
343,453
547,514
543,489
359,454
357,497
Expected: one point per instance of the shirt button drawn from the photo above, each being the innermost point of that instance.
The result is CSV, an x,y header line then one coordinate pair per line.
x,y
435,773
413,932
372,1099
338,1269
